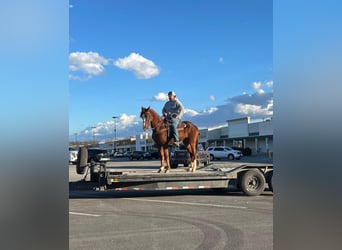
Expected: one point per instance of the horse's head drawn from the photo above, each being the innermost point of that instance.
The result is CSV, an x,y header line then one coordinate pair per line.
x,y
145,115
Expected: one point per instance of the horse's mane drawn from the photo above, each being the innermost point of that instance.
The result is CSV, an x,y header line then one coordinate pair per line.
x,y
154,112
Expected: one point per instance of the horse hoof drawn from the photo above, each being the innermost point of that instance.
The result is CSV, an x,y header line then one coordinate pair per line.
x,y
189,169
160,170
167,171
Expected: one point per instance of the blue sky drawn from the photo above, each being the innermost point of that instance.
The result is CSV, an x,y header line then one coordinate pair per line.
x,y
124,54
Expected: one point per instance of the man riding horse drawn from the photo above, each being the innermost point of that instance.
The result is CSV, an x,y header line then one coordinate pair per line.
x,y
173,111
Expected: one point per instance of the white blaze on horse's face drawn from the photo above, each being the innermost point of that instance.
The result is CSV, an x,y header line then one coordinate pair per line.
x,y
143,117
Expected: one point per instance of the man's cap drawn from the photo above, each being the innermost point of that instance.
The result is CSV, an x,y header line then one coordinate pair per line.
x,y
171,93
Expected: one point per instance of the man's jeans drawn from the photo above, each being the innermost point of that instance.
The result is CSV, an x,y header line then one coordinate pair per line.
x,y
174,130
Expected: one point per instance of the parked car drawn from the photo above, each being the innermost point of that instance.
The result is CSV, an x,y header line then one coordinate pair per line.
x,y
98,155
182,156
128,154
73,152
155,154
220,152
118,154
140,155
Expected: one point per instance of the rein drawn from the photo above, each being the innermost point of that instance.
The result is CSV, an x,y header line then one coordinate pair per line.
x,y
158,126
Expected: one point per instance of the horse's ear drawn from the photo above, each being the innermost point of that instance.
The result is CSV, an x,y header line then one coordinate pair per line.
x,y
148,108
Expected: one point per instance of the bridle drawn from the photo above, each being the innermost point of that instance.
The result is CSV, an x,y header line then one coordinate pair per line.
x,y
146,117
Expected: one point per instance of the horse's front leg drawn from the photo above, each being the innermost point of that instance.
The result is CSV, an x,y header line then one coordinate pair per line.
x,y
162,160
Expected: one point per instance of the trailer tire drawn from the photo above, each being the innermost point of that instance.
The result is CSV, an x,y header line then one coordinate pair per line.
x,y
252,182
270,181
82,160
94,177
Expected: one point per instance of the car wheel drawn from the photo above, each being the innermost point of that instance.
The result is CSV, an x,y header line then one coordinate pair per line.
x,y
231,157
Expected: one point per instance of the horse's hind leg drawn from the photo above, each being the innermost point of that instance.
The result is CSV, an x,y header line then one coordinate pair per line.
x,y
194,165
166,150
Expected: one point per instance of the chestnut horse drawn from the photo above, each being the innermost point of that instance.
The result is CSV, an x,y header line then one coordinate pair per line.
x,y
188,133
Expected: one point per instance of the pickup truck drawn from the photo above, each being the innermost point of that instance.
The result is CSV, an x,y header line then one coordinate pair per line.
x,y
182,156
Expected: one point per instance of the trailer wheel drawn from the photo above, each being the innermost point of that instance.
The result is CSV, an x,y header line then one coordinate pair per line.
x,y
94,177
82,159
270,181
252,182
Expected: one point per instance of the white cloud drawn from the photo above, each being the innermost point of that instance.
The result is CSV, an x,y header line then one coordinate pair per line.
x,y
142,67
255,85
210,110
128,120
190,112
89,63
250,109
269,84
260,91
160,97
212,98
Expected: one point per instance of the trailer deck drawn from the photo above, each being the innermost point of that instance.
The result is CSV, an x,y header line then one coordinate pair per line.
x,y
214,176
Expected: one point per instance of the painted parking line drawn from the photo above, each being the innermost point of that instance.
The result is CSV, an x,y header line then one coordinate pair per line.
x,y
187,203
84,214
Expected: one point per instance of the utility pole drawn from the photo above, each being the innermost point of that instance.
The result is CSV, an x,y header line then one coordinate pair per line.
x,y
76,139
114,144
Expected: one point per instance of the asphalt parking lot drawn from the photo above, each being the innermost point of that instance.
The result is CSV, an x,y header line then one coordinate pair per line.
x,y
188,219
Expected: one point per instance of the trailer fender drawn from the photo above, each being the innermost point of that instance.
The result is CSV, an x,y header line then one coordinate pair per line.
x,y
252,182
82,159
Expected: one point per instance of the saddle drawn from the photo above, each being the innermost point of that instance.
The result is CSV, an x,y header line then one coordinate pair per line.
x,y
181,125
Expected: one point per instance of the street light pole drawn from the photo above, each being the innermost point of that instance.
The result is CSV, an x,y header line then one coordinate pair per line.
x,y
114,146
76,139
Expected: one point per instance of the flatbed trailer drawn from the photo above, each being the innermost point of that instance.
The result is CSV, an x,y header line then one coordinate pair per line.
x,y
251,179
